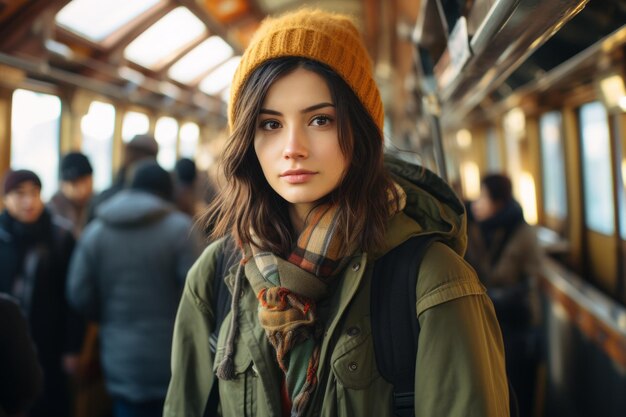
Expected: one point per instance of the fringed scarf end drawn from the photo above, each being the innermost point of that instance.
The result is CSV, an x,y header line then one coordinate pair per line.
x,y
226,369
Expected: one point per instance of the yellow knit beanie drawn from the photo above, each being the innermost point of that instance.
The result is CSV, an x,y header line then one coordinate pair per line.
x,y
329,38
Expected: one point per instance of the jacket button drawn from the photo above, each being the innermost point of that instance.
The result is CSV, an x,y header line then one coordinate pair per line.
x,y
356,266
353,331
353,366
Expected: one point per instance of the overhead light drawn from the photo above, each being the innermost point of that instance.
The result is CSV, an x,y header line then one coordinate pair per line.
x,y
613,91
220,77
464,138
515,122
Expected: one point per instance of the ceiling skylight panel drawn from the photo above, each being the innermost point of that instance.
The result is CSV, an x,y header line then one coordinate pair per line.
x,y
221,77
160,41
97,19
199,60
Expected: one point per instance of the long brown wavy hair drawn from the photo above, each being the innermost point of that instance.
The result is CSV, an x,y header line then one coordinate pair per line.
x,y
247,204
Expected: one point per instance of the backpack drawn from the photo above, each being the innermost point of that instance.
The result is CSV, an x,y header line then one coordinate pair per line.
x,y
393,318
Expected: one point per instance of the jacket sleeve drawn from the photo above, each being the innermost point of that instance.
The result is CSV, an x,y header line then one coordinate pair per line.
x,y
192,361
460,359
82,277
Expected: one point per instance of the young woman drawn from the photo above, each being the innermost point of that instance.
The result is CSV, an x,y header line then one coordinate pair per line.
x,y
311,207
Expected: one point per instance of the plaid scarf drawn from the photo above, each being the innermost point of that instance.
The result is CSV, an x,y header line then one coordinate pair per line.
x,y
288,291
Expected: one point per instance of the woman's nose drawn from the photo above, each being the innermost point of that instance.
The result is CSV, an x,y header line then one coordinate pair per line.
x,y
295,144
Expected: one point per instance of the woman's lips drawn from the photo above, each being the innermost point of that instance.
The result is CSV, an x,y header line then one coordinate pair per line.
x,y
297,176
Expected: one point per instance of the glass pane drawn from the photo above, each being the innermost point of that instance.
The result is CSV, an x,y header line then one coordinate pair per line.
x,y
221,77
35,129
514,128
97,127
493,151
189,136
199,60
597,178
97,19
163,39
553,165
165,134
134,123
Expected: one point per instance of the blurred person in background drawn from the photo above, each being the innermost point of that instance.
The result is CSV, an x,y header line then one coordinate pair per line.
x,y
140,147
35,249
21,378
185,187
504,250
128,274
71,201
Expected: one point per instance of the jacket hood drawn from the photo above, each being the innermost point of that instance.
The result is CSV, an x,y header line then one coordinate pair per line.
x,y
431,208
132,207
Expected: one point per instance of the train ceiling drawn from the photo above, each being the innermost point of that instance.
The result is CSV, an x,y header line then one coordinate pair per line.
x,y
173,54
178,55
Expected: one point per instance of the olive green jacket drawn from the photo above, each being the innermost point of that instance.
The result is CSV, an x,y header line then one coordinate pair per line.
x,y
460,359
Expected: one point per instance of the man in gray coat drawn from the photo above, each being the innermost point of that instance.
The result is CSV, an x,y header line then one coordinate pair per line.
x,y
127,274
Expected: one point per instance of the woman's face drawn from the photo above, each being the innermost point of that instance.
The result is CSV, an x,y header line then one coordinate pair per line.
x,y
296,140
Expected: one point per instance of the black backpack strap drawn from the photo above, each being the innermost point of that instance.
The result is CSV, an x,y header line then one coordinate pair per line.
x,y
393,311
227,258
395,328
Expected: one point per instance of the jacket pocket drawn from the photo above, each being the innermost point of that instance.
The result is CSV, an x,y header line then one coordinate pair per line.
x,y
238,396
353,360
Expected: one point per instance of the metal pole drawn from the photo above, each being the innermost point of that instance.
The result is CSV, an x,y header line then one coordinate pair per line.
x,y
431,104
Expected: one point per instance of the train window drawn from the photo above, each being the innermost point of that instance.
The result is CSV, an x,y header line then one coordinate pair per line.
x,y
135,123
493,151
97,19
166,134
200,60
162,40
553,165
220,78
189,138
35,130
470,180
97,127
596,159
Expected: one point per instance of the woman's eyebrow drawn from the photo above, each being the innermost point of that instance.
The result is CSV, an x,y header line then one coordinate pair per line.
x,y
317,107
306,110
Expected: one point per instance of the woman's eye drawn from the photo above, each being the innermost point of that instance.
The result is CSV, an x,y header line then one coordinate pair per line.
x,y
269,125
321,120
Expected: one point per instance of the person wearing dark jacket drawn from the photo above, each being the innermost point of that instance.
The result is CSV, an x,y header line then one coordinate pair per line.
x,y
71,201
185,195
140,147
127,274
503,249
35,248
21,378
